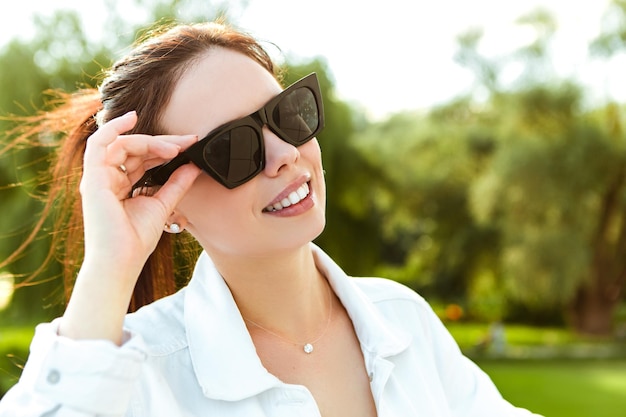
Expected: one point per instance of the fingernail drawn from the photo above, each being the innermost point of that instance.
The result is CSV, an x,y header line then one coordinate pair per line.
x,y
130,113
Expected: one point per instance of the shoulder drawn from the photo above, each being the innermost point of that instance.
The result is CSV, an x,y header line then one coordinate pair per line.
x,y
383,290
160,324
377,290
400,305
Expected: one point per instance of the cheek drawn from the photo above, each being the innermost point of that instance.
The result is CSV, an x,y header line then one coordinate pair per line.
x,y
312,153
215,215
205,202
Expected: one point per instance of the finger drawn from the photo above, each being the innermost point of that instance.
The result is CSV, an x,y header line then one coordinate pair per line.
x,y
151,163
136,167
184,141
97,142
166,147
177,185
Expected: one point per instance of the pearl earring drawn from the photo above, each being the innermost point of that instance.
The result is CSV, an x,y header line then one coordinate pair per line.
x,y
173,228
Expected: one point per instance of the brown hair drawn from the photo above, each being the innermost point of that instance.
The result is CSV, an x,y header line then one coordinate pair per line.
x,y
143,81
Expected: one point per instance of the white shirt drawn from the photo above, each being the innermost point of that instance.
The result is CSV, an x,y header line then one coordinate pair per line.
x,y
190,354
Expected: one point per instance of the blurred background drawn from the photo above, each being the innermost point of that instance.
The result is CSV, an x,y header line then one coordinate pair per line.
x,y
475,151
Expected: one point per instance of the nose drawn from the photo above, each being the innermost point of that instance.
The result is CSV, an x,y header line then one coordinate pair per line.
x,y
278,153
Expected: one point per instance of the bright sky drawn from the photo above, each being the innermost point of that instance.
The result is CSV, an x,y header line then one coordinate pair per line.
x,y
393,55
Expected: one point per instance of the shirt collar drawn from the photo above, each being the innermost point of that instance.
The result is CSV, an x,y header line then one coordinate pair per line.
x,y
376,333
222,352
229,368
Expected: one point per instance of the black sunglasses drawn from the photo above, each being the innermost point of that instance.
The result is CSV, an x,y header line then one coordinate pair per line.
x,y
234,153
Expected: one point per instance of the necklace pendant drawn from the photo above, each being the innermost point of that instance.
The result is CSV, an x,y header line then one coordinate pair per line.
x,y
308,348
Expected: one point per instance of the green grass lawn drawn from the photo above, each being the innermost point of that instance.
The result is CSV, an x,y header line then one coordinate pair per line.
x,y
553,386
563,388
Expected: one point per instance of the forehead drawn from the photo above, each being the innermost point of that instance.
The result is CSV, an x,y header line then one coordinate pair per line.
x,y
221,86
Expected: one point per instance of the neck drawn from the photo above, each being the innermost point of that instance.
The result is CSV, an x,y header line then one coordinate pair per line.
x,y
283,293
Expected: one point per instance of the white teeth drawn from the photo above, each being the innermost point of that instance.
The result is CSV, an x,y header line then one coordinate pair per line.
x,y
303,191
293,198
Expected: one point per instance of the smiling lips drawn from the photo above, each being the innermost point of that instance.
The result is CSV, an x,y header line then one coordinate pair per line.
x,y
293,198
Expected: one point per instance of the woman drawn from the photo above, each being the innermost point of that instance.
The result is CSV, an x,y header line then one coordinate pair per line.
x,y
268,325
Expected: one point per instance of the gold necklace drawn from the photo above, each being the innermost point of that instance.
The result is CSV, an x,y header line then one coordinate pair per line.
x,y
307,347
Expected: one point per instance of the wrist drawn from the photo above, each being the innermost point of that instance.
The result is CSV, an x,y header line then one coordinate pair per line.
x,y
99,302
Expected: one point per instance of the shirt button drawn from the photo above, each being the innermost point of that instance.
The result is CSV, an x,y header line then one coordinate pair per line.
x,y
53,377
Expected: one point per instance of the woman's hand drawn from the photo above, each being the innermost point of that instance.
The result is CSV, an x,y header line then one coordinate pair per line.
x,y
120,232
121,228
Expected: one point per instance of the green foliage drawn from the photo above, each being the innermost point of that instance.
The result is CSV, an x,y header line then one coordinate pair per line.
x,y
485,299
49,62
505,199
542,200
14,342
495,201
612,39
427,164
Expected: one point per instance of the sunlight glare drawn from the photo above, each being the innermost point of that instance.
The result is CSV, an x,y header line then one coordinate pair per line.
x,y
6,289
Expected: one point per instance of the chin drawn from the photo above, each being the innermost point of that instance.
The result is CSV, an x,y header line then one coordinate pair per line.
x,y
306,235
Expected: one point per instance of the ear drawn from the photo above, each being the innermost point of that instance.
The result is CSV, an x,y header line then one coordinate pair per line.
x,y
176,223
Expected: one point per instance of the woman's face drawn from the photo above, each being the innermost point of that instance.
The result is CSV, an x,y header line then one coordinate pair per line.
x,y
222,86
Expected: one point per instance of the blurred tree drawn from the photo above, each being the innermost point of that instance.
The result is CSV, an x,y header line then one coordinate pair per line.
x,y
612,38
424,165
485,70
515,192
555,190
560,211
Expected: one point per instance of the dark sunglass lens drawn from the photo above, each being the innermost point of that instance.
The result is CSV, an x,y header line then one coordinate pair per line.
x,y
296,115
235,154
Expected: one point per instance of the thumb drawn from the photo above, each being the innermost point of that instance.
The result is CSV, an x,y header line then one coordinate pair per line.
x,y
177,186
